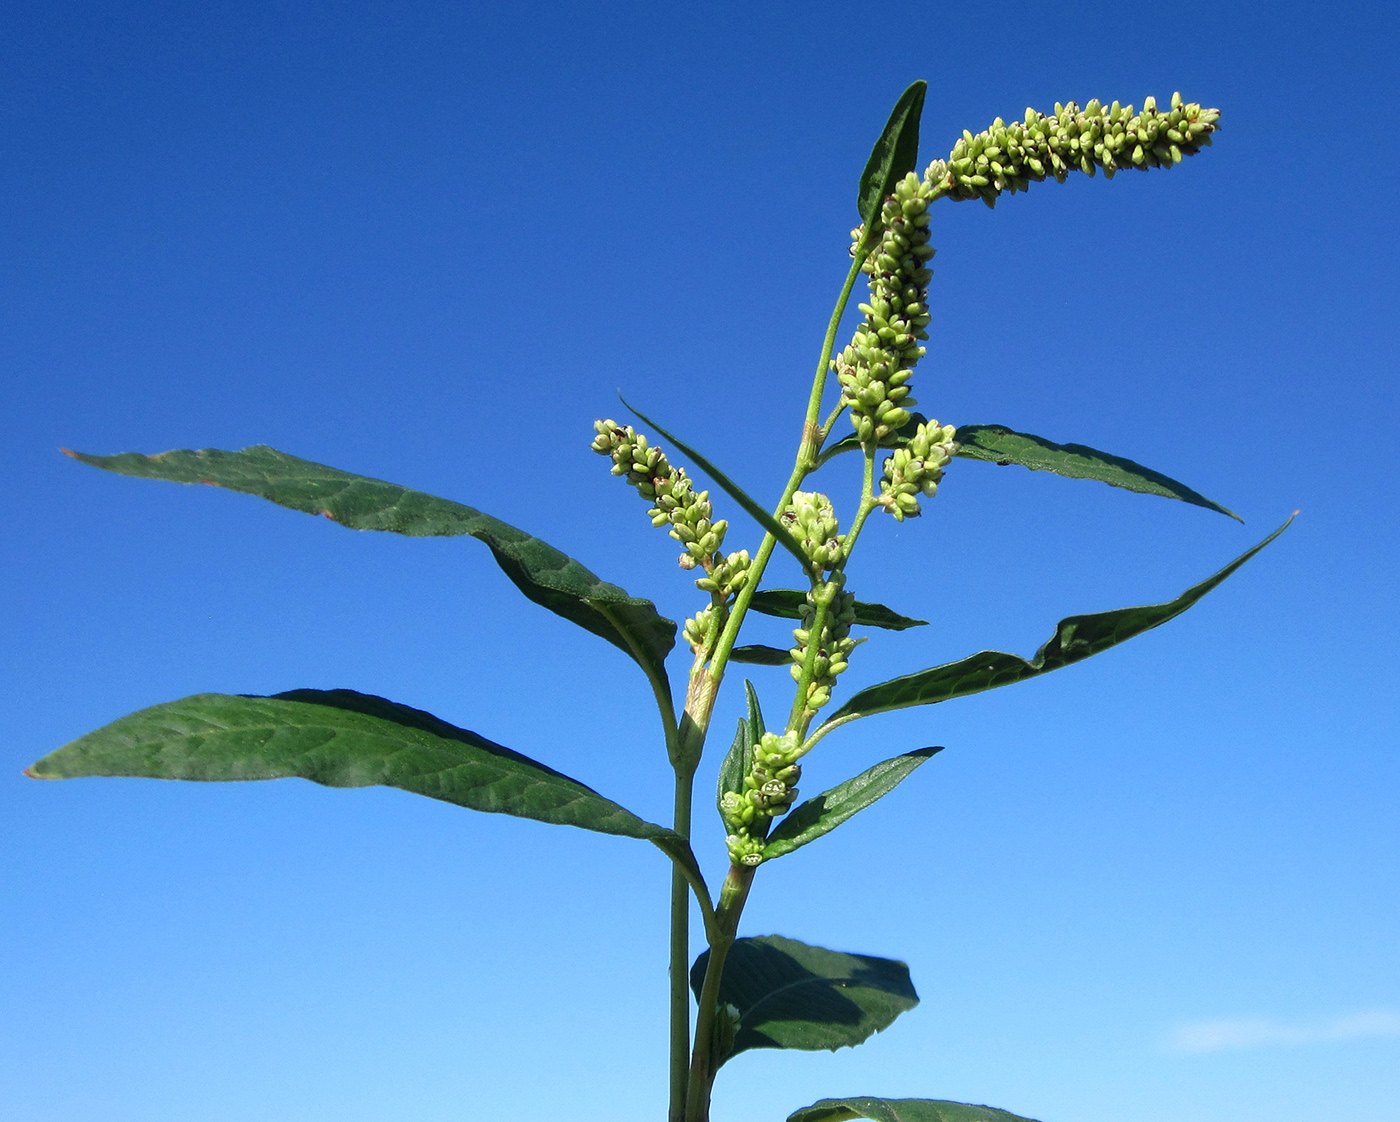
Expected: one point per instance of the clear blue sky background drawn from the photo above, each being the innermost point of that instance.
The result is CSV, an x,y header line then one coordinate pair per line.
x,y
428,241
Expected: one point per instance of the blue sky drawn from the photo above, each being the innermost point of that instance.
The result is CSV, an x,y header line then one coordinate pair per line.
x,y
429,242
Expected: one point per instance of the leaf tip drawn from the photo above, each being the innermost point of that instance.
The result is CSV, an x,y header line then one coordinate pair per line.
x,y
69,453
30,773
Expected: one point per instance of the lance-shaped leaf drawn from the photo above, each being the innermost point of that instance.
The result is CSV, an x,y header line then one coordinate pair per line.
x,y
787,603
1076,638
1000,445
544,574
901,1110
760,655
792,995
818,816
735,764
895,154
338,738
733,490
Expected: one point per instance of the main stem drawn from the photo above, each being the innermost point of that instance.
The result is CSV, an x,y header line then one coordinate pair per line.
x,y
735,891
704,1062
680,951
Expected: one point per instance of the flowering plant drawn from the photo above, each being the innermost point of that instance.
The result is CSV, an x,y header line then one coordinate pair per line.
x,y
741,992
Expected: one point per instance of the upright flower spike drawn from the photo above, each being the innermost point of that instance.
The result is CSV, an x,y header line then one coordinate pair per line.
x,y
875,369
1007,157
669,489
833,645
769,790
812,520
916,467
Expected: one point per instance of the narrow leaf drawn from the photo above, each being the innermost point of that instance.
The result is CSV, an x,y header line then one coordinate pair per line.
x,y
895,154
1000,445
756,725
734,766
338,738
791,995
901,1110
733,490
544,574
818,816
736,761
760,655
1076,638
787,603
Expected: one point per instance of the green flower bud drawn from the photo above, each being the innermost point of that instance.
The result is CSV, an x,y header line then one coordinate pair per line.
x,y
833,644
884,349
812,521
1007,157
745,850
675,502
916,468
697,628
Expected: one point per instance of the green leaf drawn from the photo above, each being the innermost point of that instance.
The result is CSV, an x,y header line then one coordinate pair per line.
x,y
1076,638
895,154
821,815
791,995
760,655
736,761
1000,445
338,738
734,766
756,725
787,603
770,524
545,575
901,1110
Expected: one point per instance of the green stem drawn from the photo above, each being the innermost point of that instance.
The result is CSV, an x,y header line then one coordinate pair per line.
x,y
867,504
808,452
798,720
704,1063
704,686
831,418
680,953
804,465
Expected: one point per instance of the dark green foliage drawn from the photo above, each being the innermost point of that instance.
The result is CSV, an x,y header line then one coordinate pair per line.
x,y
544,574
815,817
1076,638
338,738
737,760
901,1110
791,995
787,603
895,154
1000,445
770,524
760,655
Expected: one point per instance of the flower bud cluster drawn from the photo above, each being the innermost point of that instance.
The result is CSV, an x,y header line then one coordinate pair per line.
x,y
769,790
812,520
727,576
915,468
833,645
1007,157
696,629
875,369
672,495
